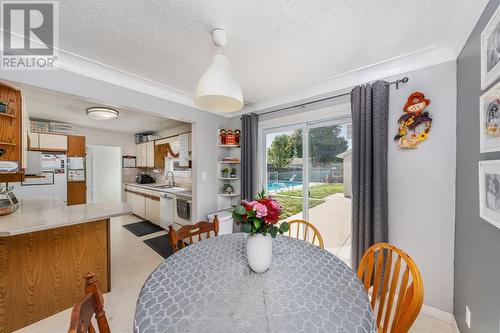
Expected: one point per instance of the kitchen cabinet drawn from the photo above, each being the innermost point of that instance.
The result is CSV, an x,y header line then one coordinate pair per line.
x,y
145,203
150,154
76,147
145,154
140,162
138,152
47,142
153,207
128,196
140,201
52,141
11,134
33,141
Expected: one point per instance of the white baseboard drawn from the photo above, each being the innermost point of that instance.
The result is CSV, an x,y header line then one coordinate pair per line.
x,y
438,314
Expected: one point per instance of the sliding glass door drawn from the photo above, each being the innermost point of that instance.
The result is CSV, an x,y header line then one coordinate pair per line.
x,y
308,170
284,170
329,183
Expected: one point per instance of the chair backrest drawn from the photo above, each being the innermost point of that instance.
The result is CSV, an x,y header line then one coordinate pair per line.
x,y
379,270
92,303
177,237
308,233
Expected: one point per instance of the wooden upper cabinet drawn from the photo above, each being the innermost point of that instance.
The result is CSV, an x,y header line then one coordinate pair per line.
x,y
76,146
11,145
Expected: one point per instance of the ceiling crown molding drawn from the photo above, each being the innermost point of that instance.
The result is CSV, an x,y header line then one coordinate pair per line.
x,y
80,65
344,82
77,64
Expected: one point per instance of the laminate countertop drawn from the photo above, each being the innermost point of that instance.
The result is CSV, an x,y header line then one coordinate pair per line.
x,y
43,213
162,188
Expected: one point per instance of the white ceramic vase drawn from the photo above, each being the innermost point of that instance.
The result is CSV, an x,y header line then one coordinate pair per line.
x,y
259,252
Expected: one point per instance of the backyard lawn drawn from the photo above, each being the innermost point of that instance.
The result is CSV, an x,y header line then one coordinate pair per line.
x,y
317,191
293,205
291,201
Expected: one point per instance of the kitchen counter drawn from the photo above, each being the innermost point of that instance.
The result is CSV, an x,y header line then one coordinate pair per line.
x,y
46,248
158,187
36,214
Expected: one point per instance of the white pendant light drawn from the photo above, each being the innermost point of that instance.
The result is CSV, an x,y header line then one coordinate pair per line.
x,y
218,89
102,113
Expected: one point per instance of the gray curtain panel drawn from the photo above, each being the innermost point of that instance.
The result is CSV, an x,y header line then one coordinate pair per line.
x,y
370,108
248,142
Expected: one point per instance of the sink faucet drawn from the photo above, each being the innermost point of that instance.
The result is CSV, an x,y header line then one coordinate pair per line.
x,y
173,178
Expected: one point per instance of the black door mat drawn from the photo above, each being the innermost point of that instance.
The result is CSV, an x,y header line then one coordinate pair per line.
x,y
142,228
161,245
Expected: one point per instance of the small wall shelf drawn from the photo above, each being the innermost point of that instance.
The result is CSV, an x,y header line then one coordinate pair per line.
x,y
228,158
2,114
228,162
7,143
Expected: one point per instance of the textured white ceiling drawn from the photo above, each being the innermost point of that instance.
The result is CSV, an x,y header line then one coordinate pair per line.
x,y
50,105
274,46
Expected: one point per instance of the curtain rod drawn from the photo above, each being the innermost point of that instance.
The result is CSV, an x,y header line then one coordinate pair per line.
x,y
397,83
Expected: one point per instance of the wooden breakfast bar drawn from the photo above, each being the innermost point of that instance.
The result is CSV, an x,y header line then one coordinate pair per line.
x,y
46,248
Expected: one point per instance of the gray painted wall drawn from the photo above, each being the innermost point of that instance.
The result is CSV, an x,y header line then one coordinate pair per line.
x,y
477,242
421,183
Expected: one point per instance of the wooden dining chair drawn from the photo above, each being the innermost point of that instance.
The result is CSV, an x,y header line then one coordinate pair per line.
x,y
92,303
379,270
177,237
309,232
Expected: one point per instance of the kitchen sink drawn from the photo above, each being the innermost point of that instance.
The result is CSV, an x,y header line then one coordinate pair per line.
x,y
163,186
169,187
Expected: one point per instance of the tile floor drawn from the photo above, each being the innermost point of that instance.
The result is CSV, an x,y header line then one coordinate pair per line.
x,y
131,263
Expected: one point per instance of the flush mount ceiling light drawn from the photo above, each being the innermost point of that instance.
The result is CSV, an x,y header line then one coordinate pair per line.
x,y
102,113
218,89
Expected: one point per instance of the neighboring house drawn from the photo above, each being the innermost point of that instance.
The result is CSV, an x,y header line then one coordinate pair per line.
x,y
347,157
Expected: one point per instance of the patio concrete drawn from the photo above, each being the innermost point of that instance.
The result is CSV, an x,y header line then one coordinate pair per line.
x,y
333,220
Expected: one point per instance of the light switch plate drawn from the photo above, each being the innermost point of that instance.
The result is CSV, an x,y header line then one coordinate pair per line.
x,y
204,175
467,316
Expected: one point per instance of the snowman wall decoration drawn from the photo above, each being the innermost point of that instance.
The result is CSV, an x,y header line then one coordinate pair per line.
x,y
415,124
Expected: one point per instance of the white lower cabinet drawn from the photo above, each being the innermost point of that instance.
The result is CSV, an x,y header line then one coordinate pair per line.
x,y
143,204
153,207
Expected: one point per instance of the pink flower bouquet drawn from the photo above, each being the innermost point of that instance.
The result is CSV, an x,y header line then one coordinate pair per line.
x,y
260,216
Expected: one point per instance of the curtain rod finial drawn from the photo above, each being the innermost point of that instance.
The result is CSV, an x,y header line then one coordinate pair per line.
x,y
403,80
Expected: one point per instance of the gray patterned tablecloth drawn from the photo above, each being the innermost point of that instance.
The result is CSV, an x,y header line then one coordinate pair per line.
x,y
208,287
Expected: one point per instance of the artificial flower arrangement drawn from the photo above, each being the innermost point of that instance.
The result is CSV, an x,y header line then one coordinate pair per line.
x,y
260,216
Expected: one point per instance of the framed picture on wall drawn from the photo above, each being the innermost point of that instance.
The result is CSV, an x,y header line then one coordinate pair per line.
x,y
489,191
490,51
489,120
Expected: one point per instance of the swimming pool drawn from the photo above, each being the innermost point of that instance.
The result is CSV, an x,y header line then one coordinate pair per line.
x,y
281,185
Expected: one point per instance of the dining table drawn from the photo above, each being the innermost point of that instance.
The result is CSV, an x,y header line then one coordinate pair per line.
x,y
209,287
